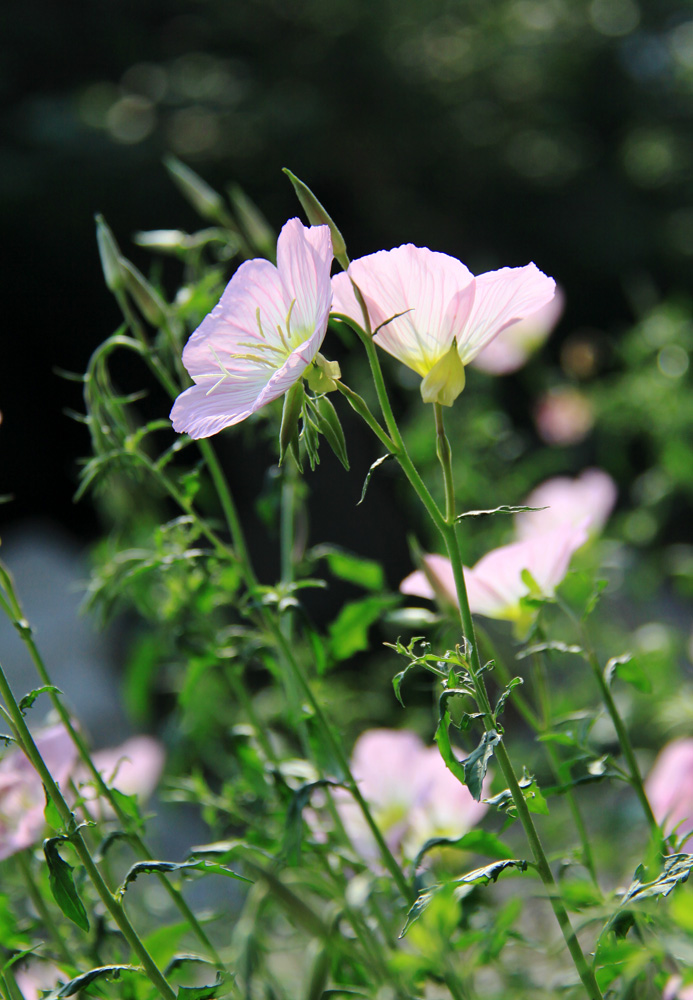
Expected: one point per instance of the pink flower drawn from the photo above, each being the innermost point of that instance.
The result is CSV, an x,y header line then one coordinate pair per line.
x,y
412,794
133,768
513,346
563,416
22,798
495,586
262,335
675,989
669,787
590,497
432,314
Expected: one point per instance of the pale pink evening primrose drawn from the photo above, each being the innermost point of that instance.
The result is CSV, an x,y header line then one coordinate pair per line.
x,y
669,787
563,416
589,497
262,335
133,768
430,312
22,798
513,347
411,793
495,585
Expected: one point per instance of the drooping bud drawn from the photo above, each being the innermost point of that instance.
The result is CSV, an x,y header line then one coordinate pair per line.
x,y
110,255
204,199
288,432
318,216
255,226
148,300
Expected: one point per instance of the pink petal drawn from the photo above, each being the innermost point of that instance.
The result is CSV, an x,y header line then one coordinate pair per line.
x,y
512,347
503,297
669,786
432,291
440,571
590,496
304,257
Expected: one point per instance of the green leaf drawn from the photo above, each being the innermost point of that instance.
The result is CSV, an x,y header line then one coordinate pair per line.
x,y
318,216
490,873
627,669
476,765
478,841
87,978
62,884
378,462
366,573
677,868
546,647
163,867
348,633
51,814
28,700
503,509
294,817
442,738
500,704
204,992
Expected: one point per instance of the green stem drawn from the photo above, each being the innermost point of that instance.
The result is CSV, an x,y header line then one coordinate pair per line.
x,y
621,731
114,908
446,526
554,760
15,613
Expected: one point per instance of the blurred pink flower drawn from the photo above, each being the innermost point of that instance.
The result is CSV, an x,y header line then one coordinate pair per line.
x,y
494,585
433,315
38,978
590,497
513,346
412,794
563,416
133,768
669,787
261,336
675,990
22,798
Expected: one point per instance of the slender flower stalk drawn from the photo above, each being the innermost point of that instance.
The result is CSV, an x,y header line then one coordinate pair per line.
x,y
447,528
13,609
115,909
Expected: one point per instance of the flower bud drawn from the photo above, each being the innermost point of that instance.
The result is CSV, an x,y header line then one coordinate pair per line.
x,y
318,216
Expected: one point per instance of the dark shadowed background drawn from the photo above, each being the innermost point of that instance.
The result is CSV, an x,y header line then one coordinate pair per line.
x,y
496,130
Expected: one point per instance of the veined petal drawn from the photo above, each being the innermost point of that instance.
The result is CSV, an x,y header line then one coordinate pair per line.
x,y
259,339
503,297
304,257
417,286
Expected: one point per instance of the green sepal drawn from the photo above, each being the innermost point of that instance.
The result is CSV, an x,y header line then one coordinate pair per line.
x,y
330,427
288,433
318,216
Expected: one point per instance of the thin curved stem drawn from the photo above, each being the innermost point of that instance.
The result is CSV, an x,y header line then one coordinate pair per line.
x,y
75,837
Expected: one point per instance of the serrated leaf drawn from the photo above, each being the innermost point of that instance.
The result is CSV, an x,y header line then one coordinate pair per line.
x,y
28,700
500,704
478,841
503,509
378,462
62,884
554,646
476,765
676,869
204,992
86,978
294,817
163,867
627,669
